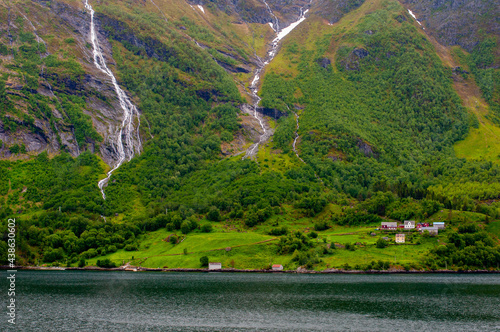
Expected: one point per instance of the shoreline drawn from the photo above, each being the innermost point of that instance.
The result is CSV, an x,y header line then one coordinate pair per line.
x,y
231,270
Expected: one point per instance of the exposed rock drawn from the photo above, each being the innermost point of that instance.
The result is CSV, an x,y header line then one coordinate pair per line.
x,y
257,12
324,62
460,70
459,22
39,137
234,68
352,60
121,32
369,32
251,128
206,94
360,53
301,269
366,149
459,74
102,103
271,112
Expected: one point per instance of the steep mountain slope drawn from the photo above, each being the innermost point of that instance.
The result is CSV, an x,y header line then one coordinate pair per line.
x,y
371,116
470,27
463,23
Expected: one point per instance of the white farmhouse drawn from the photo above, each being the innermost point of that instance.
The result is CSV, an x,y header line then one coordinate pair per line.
x,y
409,224
389,225
277,267
439,224
214,266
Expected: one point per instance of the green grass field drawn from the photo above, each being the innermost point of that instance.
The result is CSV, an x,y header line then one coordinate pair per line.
x,y
395,254
155,251
255,249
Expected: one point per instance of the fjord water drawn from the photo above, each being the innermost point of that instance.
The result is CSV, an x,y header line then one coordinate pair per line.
x,y
122,301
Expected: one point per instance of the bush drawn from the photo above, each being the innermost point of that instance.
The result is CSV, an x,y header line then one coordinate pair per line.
x,y
206,228
82,262
313,235
173,239
349,246
226,136
131,247
213,214
312,205
467,228
53,255
320,226
106,263
292,242
204,261
381,243
185,227
89,253
278,231
307,258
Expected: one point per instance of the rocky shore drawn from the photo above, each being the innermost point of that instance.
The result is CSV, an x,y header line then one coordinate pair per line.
x,y
231,270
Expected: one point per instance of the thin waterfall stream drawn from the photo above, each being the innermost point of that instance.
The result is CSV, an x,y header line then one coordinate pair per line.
x,y
124,150
254,85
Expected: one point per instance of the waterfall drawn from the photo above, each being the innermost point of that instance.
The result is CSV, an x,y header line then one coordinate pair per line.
x,y
294,145
254,86
123,150
165,17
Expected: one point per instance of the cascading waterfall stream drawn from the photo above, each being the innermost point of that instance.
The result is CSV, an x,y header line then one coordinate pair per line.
x,y
164,16
127,150
294,145
276,24
38,39
254,86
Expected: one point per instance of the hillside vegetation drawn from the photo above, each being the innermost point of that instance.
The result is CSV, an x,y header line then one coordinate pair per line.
x,y
387,132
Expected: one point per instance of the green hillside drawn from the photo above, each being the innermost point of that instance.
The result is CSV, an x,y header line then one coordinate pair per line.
x,y
389,130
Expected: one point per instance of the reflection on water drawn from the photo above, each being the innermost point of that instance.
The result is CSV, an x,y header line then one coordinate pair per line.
x,y
121,301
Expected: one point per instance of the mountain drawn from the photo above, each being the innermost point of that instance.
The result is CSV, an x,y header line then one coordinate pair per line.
x,y
137,131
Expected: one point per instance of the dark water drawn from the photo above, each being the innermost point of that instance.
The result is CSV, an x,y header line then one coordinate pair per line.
x,y
118,301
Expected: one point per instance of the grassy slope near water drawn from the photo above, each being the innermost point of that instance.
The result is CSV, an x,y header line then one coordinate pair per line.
x,y
256,250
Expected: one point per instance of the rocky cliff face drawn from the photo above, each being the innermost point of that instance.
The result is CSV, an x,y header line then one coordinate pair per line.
x,y
72,25
66,23
458,22
67,26
287,11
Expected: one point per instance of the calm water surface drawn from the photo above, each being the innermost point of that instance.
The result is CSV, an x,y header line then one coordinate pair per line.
x,y
127,301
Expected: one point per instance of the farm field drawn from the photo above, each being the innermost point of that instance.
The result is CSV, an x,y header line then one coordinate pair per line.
x,y
254,250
